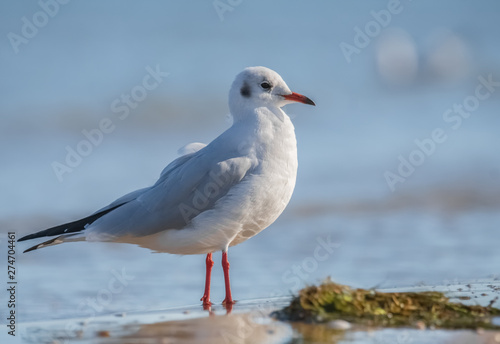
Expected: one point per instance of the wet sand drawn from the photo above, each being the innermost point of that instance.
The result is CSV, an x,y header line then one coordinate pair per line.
x,y
251,322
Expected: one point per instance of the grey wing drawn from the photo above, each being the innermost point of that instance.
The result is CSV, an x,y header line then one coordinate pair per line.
x,y
187,152
187,187
124,199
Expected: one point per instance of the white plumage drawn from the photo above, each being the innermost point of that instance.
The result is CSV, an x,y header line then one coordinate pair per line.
x,y
216,195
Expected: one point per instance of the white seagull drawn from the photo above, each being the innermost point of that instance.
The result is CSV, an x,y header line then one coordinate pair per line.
x,y
216,195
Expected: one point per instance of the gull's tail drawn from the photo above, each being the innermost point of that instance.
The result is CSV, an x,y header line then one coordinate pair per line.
x,y
66,232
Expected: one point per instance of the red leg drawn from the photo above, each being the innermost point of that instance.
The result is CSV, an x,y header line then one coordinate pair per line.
x,y
225,266
206,294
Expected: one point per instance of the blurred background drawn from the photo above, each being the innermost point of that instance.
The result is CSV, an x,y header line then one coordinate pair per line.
x,y
402,207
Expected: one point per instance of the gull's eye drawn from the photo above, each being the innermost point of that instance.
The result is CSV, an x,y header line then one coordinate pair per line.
x,y
265,85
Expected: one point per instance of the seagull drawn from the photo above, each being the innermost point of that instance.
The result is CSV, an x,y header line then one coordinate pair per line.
x,y
213,196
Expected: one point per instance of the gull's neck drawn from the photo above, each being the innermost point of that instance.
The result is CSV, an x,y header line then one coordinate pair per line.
x,y
264,113
265,129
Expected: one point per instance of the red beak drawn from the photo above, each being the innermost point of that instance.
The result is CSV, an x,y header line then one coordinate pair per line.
x,y
298,98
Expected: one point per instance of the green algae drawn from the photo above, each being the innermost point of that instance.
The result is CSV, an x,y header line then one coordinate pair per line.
x,y
330,301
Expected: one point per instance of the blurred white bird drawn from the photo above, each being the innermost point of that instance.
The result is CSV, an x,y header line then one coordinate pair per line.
x,y
216,196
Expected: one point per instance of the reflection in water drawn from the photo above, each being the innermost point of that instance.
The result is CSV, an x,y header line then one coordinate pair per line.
x,y
235,328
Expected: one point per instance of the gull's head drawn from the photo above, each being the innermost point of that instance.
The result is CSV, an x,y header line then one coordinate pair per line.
x,y
260,86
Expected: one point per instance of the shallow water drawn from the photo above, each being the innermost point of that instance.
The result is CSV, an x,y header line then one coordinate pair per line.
x,y
357,249
455,252
439,227
248,322
442,234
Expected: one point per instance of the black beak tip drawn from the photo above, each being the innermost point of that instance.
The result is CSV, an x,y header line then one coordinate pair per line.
x,y
310,102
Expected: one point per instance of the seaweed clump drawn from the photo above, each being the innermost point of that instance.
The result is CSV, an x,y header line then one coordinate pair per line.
x,y
330,301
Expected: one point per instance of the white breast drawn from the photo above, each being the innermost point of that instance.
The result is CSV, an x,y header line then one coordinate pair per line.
x,y
256,202
251,205
272,187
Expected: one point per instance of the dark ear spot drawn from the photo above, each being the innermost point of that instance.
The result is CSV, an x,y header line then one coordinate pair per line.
x,y
245,90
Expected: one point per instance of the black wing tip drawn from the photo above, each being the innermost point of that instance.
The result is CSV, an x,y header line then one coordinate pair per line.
x,y
26,237
70,227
